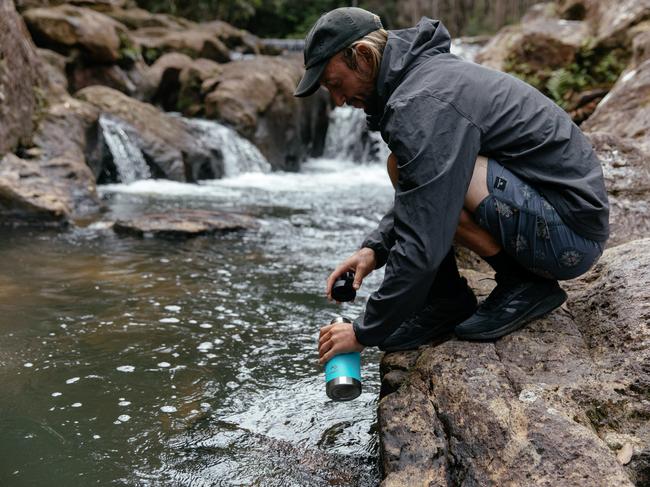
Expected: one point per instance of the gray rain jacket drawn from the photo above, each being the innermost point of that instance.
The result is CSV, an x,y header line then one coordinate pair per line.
x,y
439,113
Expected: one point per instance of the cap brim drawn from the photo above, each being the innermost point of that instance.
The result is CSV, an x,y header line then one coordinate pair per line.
x,y
310,82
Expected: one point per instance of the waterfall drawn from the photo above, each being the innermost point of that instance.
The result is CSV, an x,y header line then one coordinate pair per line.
x,y
127,156
239,155
348,138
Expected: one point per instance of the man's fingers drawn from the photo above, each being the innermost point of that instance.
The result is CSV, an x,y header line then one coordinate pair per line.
x,y
324,330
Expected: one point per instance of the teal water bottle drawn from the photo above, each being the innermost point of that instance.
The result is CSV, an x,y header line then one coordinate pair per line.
x,y
343,373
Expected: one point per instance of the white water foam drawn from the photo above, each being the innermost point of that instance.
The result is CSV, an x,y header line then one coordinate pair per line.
x,y
127,156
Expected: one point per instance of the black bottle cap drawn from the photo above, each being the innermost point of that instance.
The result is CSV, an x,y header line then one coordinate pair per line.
x,y
342,289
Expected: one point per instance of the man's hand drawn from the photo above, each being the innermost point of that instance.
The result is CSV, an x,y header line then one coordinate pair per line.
x,y
362,263
336,339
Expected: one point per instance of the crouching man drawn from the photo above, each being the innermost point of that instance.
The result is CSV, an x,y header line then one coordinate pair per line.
x,y
479,157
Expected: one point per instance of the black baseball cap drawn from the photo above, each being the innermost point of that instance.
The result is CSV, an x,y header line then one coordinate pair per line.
x,y
331,33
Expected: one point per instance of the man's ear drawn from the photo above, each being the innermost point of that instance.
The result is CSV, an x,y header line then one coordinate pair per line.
x,y
364,51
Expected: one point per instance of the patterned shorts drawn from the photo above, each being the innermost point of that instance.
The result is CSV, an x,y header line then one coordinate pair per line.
x,y
529,228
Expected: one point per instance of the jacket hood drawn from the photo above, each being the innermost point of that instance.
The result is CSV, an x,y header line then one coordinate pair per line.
x,y
406,49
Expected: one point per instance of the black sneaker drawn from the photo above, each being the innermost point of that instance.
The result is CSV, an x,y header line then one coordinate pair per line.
x,y
511,305
435,320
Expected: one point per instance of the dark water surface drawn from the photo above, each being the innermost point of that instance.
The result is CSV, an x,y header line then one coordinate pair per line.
x,y
129,361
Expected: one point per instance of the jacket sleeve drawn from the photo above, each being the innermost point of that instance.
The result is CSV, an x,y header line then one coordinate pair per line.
x,y
436,148
381,239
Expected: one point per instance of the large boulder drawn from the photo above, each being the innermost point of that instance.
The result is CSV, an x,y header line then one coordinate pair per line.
x,y
560,402
99,37
625,111
255,96
20,95
97,49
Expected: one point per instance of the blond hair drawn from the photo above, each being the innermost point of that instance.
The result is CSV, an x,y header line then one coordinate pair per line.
x,y
375,43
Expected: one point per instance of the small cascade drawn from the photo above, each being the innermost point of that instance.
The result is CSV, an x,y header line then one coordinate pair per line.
x,y
239,155
127,156
348,137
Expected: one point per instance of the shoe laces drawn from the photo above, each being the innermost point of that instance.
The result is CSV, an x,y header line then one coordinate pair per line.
x,y
496,298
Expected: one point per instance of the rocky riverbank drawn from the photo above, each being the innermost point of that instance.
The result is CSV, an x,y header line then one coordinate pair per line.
x,y
566,400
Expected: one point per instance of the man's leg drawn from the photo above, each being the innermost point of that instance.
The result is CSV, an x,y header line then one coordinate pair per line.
x,y
520,295
450,301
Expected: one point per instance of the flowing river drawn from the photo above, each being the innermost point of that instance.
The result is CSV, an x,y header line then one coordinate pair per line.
x,y
130,361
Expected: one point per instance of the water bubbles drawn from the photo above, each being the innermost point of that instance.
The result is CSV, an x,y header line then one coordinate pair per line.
x,y
205,325
172,307
168,409
72,380
169,320
204,346
56,394
76,405
125,368
164,364
28,364
123,418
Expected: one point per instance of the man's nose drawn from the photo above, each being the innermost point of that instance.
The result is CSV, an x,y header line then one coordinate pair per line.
x,y
338,98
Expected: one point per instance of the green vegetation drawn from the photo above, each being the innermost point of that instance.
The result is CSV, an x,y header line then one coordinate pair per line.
x,y
129,51
593,67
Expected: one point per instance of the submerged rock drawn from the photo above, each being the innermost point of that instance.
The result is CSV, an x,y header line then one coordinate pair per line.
x,y
555,403
184,223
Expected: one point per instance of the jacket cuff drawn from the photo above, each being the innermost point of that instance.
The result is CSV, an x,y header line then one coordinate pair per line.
x,y
356,327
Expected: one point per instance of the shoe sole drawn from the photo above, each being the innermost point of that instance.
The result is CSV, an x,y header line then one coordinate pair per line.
x,y
542,308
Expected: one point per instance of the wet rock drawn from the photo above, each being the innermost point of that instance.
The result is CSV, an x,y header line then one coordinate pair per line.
x,y
184,224
627,179
625,111
255,96
45,192
100,38
555,403
20,94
